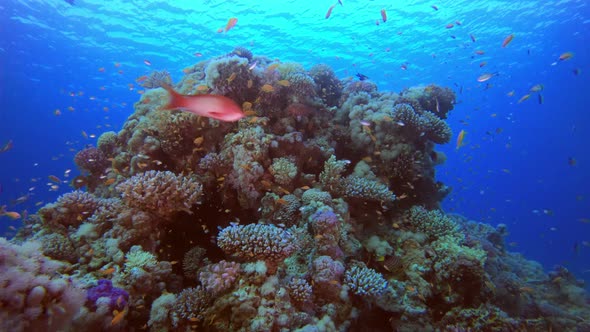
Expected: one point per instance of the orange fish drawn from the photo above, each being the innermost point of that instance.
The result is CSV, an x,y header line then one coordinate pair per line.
x,y
566,56
118,316
272,67
450,25
267,88
110,181
480,52
523,98
11,214
54,178
284,83
507,40
460,139
483,63
231,23
108,271
330,11
383,15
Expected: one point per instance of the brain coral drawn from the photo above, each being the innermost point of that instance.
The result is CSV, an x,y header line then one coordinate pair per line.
x,y
160,192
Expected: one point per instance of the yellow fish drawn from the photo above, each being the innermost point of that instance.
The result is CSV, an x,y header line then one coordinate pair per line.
x,y
460,139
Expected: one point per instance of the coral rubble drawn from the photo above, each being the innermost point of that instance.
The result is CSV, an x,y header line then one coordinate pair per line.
x,y
319,211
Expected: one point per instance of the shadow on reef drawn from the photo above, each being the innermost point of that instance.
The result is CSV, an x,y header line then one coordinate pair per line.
x,y
318,211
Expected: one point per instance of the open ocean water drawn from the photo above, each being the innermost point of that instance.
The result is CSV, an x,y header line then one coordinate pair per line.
x,y
433,110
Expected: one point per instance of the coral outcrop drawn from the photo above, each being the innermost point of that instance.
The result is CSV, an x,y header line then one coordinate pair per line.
x,y
318,211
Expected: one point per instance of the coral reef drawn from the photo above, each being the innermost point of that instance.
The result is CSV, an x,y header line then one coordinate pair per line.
x,y
318,211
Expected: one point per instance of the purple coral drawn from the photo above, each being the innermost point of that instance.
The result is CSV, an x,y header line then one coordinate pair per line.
x,y
92,160
324,221
256,241
219,277
327,275
116,298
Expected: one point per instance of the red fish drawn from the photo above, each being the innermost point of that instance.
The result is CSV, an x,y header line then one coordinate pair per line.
x,y
211,106
330,11
9,145
383,15
231,23
507,40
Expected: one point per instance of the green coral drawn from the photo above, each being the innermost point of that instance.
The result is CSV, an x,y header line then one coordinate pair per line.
x,y
137,258
283,170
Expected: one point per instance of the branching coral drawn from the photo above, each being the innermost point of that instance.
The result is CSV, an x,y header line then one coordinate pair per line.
x,y
433,223
71,209
191,304
353,186
256,241
365,281
300,291
416,125
433,98
161,193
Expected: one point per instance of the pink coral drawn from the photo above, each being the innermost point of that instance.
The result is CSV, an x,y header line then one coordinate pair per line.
x,y
33,296
219,277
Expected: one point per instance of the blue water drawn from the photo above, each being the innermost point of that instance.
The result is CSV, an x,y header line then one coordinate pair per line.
x,y
51,55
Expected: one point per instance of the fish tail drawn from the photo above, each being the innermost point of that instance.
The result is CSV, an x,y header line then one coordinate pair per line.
x,y
174,98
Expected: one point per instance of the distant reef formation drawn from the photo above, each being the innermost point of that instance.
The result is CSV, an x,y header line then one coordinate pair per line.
x,y
317,211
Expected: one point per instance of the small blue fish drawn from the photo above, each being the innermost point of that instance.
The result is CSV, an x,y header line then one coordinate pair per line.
x,y
71,2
